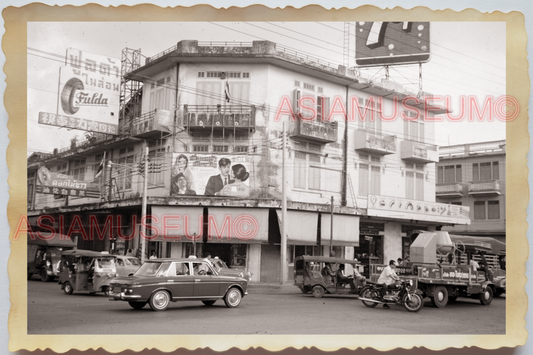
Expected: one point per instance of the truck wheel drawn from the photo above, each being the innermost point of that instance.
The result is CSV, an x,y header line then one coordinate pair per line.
x,y
440,297
67,288
414,304
318,291
486,297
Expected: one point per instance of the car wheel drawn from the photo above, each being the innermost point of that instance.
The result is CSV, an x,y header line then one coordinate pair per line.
x,y
486,297
233,298
44,276
136,305
318,291
67,288
414,303
160,300
440,297
370,294
208,303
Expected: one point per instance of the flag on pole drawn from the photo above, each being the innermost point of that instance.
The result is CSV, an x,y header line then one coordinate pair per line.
x,y
226,92
100,169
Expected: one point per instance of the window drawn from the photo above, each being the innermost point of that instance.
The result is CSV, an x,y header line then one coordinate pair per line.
x,y
155,167
78,170
369,176
371,121
449,174
486,210
414,184
124,171
413,130
200,148
212,92
485,171
307,171
160,94
220,148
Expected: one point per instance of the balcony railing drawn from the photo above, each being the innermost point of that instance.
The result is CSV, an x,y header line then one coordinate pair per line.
x,y
491,187
151,124
316,131
449,190
236,117
375,143
419,152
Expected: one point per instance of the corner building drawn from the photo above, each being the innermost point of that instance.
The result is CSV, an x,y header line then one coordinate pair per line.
x,y
196,103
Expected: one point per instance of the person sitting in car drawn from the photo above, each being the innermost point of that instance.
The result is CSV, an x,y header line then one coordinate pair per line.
x,y
328,274
342,279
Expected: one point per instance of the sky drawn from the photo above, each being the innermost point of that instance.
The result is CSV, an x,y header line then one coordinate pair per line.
x,y
467,58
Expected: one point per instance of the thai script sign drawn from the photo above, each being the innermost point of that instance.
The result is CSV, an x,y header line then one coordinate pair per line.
x,y
61,184
390,43
387,206
88,98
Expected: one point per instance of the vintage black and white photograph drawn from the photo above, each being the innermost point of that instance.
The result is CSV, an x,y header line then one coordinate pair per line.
x,y
259,178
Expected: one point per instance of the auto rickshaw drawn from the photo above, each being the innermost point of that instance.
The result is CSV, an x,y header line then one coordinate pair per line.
x,y
311,275
86,270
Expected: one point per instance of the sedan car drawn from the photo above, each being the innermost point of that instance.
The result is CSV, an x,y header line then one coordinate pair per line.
x,y
160,281
224,269
127,265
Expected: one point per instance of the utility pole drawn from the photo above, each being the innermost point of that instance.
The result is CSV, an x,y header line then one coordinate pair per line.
x,y
331,229
283,210
144,201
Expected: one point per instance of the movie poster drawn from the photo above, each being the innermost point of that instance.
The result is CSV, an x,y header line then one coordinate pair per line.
x,y
210,175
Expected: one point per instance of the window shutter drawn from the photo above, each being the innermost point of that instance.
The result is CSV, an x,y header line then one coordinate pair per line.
x,y
296,101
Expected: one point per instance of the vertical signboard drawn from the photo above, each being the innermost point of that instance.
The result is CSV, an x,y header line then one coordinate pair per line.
x,y
89,90
390,43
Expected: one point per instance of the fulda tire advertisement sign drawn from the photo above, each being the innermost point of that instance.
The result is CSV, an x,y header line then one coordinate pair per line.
x,y
88,98
391,43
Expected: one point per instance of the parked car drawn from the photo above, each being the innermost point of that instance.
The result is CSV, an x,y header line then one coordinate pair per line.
x,y
126,265
224,269
160,281
44,254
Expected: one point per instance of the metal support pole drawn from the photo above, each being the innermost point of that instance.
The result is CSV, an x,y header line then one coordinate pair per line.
x,y
143,210
283,211
331,229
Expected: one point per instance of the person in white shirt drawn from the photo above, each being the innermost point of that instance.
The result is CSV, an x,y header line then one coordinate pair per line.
x,y
388,277
474,264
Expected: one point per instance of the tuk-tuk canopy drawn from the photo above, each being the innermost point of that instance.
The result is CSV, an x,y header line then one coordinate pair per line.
x,y
487,244
327,259
47,239
86,253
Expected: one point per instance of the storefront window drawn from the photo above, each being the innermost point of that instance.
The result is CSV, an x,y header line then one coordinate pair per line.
x,y
370,249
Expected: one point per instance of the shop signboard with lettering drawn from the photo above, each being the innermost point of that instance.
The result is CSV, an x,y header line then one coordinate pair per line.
x,y
391,43
65,185
401,208
89,94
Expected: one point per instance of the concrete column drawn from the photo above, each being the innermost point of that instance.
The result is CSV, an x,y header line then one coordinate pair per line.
x,y
254,261
349,253
392,242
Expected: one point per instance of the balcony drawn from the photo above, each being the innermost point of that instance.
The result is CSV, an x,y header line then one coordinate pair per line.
x,y
152,124
219,117
419,152
375,143
484,188
449,190
316,131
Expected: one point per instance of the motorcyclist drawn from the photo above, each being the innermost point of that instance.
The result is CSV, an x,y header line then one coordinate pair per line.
x,y
388,277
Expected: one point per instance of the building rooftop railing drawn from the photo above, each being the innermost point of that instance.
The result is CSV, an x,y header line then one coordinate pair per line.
x,y
491,147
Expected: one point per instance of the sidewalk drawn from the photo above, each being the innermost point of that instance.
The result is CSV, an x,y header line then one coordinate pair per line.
x,y
272,286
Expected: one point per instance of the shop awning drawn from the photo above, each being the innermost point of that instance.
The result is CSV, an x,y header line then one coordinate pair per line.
x,y
176,224
345,230
301,227
237,225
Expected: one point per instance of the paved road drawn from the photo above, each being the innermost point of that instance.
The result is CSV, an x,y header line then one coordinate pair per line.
x,y
275,310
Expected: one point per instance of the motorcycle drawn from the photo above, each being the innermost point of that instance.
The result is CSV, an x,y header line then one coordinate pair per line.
x,y
403,295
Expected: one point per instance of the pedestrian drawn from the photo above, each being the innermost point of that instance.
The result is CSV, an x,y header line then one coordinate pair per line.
x,y
153,256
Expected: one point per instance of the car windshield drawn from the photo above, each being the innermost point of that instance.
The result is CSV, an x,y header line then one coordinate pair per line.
x,y
149,269
134,261
107,262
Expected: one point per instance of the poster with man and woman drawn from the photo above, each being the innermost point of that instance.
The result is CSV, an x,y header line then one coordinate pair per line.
x,y
210,175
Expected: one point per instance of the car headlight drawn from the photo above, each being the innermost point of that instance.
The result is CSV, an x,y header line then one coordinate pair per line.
x,y
48,263
241,275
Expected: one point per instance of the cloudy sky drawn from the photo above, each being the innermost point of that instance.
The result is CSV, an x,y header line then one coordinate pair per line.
x,y
468,58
